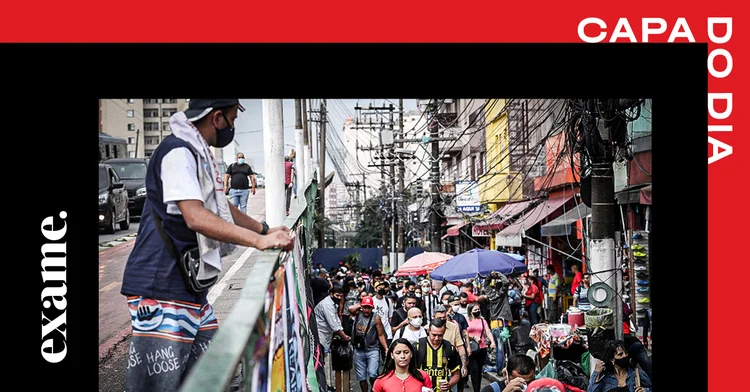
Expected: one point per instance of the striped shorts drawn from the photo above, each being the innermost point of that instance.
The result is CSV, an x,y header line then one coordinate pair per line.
x,y
168,337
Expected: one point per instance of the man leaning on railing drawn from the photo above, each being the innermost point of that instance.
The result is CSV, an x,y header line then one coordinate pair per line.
x,y
186,227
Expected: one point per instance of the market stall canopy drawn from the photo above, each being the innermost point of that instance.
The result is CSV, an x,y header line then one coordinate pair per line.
x,y
563,225
513,234
504,213
454,230
478,262
422,264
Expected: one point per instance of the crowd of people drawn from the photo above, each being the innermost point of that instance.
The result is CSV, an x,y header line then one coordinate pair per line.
x,y
412,333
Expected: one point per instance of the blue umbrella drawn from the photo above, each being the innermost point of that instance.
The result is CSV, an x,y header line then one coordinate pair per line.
x,y
478,262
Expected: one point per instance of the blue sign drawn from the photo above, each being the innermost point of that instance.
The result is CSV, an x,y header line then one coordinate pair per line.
x,y
469,208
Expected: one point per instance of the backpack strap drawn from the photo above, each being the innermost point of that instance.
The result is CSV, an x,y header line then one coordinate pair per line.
x,y
421,350
401,331
495,386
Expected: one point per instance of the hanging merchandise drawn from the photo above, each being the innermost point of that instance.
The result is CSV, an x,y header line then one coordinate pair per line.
x,y
641,274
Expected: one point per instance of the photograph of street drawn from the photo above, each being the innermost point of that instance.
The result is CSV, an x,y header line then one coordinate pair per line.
x,y
351,245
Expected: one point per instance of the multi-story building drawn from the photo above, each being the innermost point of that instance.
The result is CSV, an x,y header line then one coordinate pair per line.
x,y
143,122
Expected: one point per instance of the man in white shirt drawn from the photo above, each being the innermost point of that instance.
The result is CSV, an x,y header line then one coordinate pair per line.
x,y
171,313
329,324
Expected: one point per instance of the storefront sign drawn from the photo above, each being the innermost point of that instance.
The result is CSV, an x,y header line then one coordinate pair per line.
x,y
475,232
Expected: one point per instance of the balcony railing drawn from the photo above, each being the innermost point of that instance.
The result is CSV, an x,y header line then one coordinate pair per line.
x,y
265,320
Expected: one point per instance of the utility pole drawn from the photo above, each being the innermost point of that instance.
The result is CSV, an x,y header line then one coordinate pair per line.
x,y
435,184
322,173
299,139
389,259
402,220
384,240
273,156
137,139
604,212
394,213
308,143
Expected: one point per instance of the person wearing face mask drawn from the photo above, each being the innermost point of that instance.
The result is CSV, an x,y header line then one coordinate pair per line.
x,y
400,318
329,324
479,332
238,181
400,372
412,330
186,211
615,372
381,306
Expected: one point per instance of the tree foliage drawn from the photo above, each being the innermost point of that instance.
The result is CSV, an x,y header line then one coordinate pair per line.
x,y
370,227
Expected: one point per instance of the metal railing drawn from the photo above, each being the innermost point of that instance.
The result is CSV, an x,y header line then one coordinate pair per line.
x,y
243,333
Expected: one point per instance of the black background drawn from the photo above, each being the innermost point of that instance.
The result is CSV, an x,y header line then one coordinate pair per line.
x,y
50,126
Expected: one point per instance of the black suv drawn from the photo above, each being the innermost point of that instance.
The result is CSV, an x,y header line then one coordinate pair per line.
x,y
113,200
132,172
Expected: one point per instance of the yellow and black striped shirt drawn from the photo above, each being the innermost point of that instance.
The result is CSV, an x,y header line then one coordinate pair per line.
x,y
439,363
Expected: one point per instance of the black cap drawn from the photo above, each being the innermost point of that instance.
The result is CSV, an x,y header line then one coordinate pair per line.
x,y
197,108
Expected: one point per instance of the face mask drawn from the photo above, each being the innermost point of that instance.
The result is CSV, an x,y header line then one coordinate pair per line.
x,y
381,292
416,322
476,314
241,161
455,308
225,135
623,362
464,305
418,295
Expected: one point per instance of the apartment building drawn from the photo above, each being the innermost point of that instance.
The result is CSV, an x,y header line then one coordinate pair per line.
x,y
144,123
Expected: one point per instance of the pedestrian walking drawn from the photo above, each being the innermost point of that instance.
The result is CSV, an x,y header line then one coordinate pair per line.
x,y
293,156
329,324
400,372
239,181
288,177
186,219
368,336
479,332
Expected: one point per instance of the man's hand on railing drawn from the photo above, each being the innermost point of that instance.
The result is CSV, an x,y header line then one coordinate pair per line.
x,y
276,240
278,228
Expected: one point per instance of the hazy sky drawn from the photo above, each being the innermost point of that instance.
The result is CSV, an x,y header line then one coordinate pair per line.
x,y
250,123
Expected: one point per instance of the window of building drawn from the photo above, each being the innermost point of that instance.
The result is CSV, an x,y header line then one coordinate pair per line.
x,y
131,127
131,100
131,113
131,140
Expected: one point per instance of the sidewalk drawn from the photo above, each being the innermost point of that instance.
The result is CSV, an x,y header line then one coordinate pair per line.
x,y
223,296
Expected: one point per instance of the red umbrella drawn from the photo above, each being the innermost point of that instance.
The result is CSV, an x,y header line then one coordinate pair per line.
x,y
422,264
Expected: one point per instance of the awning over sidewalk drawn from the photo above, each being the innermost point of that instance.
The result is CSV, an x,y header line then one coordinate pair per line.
x,y
635,194
454,230
513,234
498,217
563,225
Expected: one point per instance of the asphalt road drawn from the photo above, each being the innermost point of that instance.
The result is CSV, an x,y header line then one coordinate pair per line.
x,y
114,316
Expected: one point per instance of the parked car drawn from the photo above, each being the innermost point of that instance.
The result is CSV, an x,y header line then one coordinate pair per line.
x,y
132,172
260,181
113,200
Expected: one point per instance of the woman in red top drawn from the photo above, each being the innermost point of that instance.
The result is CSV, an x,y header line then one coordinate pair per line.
x,y
400,373
533,299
